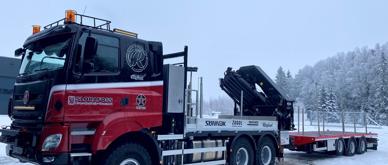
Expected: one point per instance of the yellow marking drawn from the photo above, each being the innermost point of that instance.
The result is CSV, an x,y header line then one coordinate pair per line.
x,y
29,108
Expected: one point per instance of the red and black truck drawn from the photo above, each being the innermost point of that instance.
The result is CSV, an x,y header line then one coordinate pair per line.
x,y
88,94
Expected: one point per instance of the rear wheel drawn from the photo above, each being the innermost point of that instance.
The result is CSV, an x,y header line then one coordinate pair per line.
x,y
339,147
129,154
265,154
350,148
242,153
361,146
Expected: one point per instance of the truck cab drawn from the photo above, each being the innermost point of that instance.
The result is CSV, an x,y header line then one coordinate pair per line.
x,y
76,82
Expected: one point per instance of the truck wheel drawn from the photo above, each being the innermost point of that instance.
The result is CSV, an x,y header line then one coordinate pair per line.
x,y
129,154
361,146
339,147
350,148
265,154
242,153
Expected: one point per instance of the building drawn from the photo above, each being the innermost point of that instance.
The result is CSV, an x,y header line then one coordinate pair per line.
x,y
9,68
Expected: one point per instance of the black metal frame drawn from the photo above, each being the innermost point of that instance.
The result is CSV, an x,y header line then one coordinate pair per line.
x,y
179,117
104,26
183,54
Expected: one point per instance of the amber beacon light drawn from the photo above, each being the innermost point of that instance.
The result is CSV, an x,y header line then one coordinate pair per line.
x,y
35,29
70,16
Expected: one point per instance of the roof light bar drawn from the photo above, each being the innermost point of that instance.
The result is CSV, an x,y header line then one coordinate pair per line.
x,y
127,33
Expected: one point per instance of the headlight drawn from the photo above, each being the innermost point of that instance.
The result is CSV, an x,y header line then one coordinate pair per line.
x,y
51,142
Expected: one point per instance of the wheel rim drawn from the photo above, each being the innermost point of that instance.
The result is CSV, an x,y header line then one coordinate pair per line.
x,y
266,155
242,156
130,161
340,146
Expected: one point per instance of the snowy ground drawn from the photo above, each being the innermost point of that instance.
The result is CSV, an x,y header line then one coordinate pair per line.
x,y
4,159
291,158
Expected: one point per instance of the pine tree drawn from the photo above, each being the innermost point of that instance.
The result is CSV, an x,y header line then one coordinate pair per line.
x,y
280,78
331,106
380,95
290,85
322,99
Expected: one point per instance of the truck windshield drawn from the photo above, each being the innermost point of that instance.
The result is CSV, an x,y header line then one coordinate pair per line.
x,y
45,55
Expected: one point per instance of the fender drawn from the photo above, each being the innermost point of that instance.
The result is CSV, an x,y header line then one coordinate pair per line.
x,y
120,123
273,137
250,138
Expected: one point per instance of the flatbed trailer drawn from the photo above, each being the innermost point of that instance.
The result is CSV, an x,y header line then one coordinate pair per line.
x,y
338,142
313,141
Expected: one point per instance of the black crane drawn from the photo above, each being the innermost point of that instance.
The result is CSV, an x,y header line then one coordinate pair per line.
x,y
260,95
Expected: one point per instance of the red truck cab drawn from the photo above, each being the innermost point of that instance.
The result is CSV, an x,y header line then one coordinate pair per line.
x,y
80,89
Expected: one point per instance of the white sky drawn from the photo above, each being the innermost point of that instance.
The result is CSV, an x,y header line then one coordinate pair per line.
x,y
221,33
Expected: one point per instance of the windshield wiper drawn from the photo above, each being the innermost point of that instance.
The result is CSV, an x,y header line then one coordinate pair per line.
x,y
41,69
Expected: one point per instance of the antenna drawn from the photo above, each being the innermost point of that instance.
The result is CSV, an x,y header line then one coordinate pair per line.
x,y
83,13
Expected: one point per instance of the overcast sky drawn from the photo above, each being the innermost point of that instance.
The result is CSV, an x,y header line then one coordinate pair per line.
x,y
221,33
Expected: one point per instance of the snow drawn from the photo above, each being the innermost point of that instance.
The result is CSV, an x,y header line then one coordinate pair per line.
x,y
4,159
291,157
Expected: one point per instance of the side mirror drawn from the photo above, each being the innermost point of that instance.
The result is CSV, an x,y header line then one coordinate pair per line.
x,y
90,48
20,52
87,67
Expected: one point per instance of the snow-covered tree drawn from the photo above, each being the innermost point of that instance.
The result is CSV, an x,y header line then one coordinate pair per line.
x,y
281,79
358,80
286,82
331,106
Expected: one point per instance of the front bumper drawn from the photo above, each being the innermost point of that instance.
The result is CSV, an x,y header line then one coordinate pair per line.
x,y
19,153
23,146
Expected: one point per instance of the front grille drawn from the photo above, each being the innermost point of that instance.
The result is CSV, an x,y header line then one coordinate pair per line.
x,y
38,98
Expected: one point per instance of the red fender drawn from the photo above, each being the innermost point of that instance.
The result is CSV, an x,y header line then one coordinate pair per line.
x,y
120,123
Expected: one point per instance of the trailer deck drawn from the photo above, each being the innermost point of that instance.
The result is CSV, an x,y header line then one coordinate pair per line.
x,y
315,136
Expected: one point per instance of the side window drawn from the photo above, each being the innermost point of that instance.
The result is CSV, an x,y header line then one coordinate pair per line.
x,y
106,59
79,50
107,55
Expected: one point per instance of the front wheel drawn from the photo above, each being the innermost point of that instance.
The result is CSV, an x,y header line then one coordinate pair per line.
x,y
129,154
265,154
242,153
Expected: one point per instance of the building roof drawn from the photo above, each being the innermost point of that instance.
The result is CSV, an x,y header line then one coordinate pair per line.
x,y
9,67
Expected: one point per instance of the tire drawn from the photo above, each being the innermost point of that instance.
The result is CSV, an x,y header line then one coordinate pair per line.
x,y
339,147
242,153
129,153
265,154
350,148
361,146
